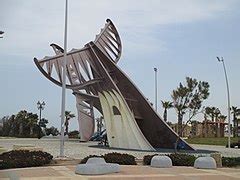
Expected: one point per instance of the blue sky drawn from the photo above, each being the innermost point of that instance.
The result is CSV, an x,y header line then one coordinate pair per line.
x,y
180,38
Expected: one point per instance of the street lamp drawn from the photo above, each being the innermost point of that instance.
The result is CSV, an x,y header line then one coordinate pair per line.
x,y
40,106
228,97
155,70
1,32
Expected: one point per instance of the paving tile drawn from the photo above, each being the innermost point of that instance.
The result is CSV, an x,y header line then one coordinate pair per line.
x,y
228,170
29,172
127,172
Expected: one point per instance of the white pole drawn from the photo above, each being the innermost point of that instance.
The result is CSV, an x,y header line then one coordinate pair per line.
x,y
155,69
228,97
64,85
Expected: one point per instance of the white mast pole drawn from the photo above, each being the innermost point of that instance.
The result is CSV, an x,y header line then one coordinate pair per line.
x,y
64,85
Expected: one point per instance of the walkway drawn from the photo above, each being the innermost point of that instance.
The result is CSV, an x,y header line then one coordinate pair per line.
x,y
127,172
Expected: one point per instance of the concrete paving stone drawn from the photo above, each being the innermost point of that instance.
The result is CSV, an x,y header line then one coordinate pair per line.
x,y
127,172
230,170
29,172
78,150
74,149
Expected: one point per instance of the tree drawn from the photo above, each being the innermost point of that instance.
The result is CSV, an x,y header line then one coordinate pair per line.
x,y
166,105
68,116
43,122
20,125
210,111
222,118
52,130
32,122
217,117
5,126
188,99
236,112
21,122
217,113
9,126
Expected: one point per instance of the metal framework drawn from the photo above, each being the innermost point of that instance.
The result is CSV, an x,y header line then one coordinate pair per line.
x,y
97,82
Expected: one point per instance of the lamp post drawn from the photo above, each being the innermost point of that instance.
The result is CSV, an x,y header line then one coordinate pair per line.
x,y
1,32
228,99
155,70
64,84
40,106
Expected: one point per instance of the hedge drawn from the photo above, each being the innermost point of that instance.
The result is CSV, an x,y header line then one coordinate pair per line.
x,y
122,159
230,161
177,159
24,158
234,144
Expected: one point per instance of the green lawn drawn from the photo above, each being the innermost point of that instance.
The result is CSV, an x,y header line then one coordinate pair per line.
x,y
211,141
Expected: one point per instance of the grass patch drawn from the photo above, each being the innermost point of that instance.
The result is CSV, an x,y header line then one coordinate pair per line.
x,y
211,141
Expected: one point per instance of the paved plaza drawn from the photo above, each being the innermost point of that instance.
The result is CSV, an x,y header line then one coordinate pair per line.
x,y
77,150
126,172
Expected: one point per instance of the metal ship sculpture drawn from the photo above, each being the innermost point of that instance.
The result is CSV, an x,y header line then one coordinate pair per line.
x,y
97,82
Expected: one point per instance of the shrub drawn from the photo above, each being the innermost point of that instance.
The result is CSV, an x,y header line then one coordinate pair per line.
x,y
122,159
177,159
147,159
182,159
73,134
232,145
24,158
230,161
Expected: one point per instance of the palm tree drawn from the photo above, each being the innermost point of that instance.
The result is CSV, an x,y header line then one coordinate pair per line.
x,y
166,105
222,118
68,116
210,112
235,112
217,113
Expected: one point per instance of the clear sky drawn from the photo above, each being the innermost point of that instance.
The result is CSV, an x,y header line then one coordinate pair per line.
x,y
180,38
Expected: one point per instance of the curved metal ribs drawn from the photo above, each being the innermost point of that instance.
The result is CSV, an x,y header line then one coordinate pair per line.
x,y
79,66
97,82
